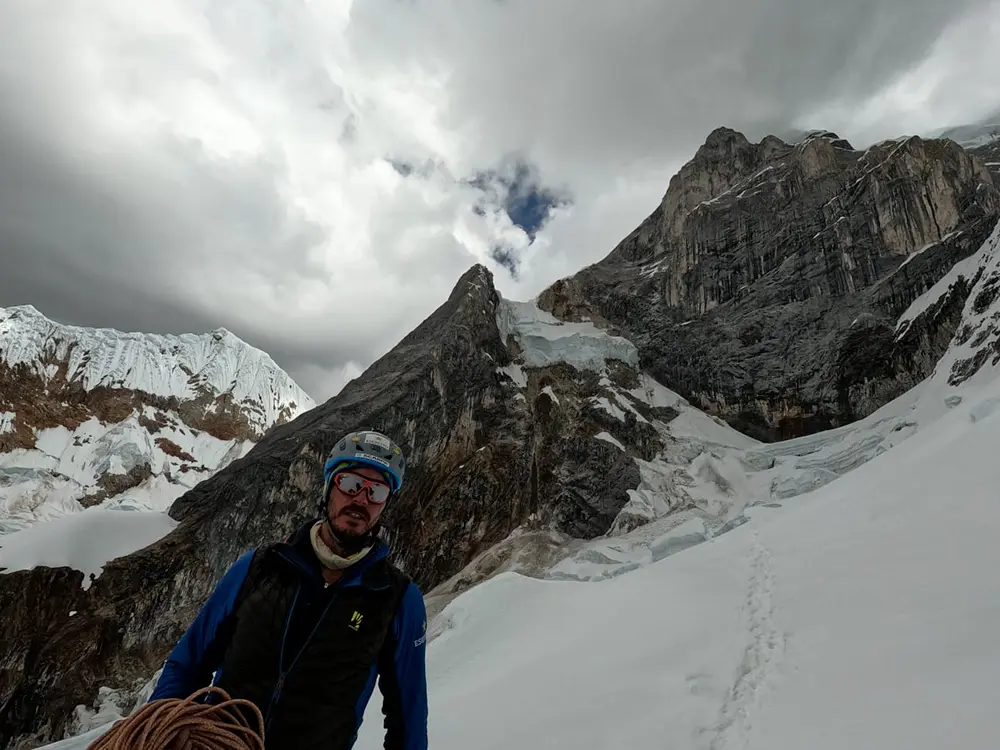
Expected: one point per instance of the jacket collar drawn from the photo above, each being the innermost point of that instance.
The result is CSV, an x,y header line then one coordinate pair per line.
x,y
297,550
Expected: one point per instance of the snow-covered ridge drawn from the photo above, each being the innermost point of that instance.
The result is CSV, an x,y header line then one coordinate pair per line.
x,y
186,366
177,410
972,136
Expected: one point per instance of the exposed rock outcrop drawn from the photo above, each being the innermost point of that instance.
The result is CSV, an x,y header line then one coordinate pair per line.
x,y
767,285
989,155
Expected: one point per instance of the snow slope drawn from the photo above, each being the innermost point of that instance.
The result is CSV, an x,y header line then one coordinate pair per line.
x,y
864,616
50,480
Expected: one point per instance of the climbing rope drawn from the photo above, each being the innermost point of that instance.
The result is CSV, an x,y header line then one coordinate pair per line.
x,y
187,724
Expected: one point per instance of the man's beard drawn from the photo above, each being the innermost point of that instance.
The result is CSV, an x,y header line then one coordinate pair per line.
x,y
351,541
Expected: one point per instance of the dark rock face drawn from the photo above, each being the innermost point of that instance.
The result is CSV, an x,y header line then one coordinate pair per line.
x,y
989,155
767,285
485,457
979,333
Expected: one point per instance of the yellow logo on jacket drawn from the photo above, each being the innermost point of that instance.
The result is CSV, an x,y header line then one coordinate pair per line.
x,y
356,619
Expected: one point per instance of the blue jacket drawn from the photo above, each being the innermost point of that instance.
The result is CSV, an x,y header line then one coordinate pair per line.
x,y
197,658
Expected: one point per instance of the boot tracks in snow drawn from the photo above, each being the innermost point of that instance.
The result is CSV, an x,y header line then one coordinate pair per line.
x,y
764,647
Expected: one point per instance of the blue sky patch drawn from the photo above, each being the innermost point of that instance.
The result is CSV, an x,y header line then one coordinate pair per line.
x,y
516,187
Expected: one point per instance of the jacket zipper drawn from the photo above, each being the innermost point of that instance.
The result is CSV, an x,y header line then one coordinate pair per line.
x,y
282,672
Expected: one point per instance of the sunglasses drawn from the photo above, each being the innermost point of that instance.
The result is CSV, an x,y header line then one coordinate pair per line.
x,y
352,484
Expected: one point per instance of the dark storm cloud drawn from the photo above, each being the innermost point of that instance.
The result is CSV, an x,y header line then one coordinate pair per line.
x,y
579,84
138,243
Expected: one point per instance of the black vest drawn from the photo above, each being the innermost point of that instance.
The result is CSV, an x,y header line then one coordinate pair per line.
x,y
303,652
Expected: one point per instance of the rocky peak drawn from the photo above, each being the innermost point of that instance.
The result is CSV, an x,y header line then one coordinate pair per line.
x,y
824,135
729,287
723,160
478,277
910,192
723,144
728,162
770,147
474,299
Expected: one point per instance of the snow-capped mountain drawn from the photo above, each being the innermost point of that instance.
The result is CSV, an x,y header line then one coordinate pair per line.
x,y
972,136
101,417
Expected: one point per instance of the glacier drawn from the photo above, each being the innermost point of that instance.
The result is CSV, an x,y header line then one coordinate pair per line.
x,y
549,340
864,616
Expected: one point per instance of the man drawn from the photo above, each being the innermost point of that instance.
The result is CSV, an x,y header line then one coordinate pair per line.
x,y
303,628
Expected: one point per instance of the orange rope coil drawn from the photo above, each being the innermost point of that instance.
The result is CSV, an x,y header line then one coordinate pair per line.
x,y
187,724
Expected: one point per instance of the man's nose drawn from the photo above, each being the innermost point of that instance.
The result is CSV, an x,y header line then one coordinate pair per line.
x,y
364,497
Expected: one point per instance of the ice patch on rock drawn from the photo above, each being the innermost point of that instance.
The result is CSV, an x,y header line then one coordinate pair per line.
x,y
546,340
516,374
608,438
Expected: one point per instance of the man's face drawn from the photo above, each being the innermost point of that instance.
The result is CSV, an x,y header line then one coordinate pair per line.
x,y
355,515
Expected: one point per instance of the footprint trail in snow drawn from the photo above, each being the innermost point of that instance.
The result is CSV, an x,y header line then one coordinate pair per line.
x,y
764,648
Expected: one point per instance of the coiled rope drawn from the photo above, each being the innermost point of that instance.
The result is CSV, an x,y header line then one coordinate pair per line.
x,y
187,724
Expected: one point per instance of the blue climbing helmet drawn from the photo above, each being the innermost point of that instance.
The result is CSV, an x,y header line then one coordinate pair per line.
x,y
367,448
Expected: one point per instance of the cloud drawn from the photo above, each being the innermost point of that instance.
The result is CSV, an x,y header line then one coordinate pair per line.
x,y
949,85
515,187
620,84
290,170
516,201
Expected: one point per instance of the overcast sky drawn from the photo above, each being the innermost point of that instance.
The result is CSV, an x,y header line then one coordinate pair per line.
x,y
315,176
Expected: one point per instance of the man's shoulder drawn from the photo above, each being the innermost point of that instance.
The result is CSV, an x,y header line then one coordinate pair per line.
x,y
396,572
384,571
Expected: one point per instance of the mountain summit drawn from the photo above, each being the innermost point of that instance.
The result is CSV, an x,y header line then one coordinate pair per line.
x,y
767,284
98,416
